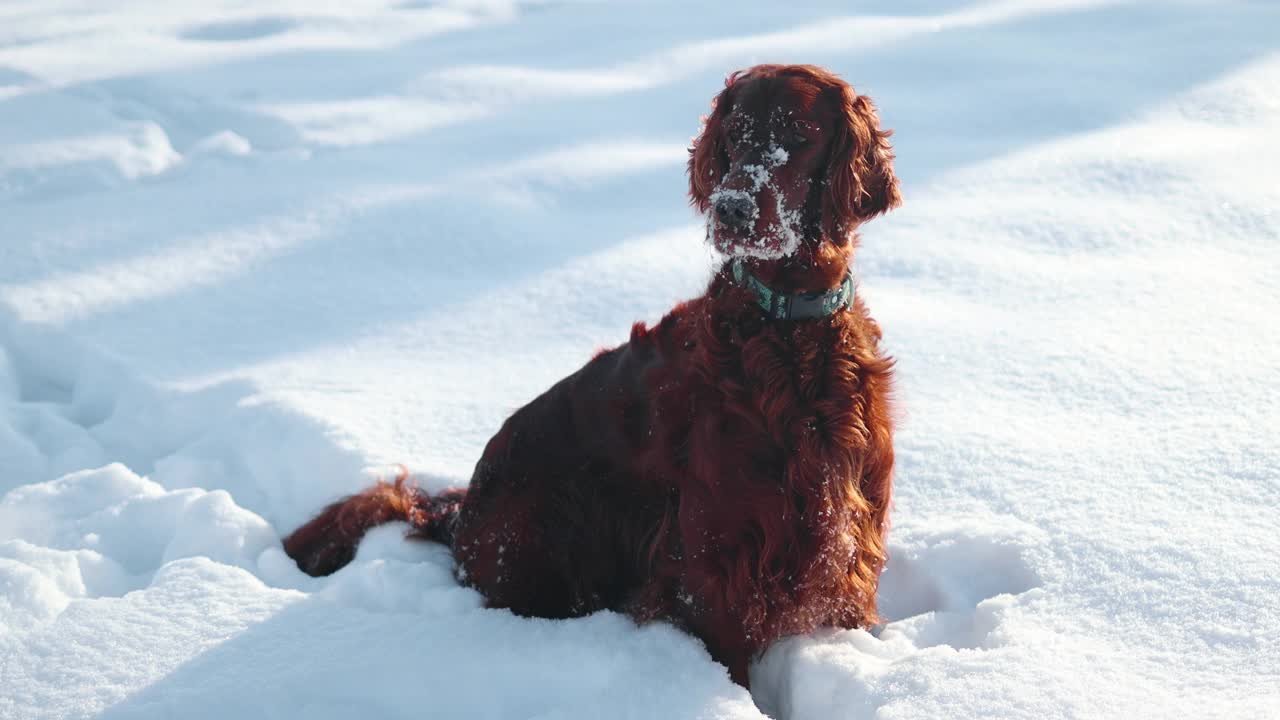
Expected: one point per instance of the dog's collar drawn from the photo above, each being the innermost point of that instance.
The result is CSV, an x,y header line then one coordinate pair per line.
x,y
779,305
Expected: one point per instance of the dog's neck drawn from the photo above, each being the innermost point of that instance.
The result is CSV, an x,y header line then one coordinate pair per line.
x,y
814,267
812,283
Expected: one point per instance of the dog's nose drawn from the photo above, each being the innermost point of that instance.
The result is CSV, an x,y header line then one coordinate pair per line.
x,y
734,210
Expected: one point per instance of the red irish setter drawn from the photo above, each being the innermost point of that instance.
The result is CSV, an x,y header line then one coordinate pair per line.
x,y
727,470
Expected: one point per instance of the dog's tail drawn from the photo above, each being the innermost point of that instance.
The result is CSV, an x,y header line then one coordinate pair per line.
x,y
329,540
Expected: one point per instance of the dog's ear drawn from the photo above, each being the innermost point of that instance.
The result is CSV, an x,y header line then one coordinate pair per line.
x,y
708,157
860,179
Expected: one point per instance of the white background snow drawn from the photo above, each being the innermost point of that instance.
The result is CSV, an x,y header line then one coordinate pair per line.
x,y
252,256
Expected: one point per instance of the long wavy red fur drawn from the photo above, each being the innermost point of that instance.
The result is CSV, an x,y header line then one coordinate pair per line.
x,y
722,471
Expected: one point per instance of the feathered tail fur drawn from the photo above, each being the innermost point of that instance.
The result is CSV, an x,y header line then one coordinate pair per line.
x,y
329,541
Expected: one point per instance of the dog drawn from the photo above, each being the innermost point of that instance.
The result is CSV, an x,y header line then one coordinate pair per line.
x,y
728,469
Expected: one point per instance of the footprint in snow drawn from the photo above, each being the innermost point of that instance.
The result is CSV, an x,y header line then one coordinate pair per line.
x,y
945,580
946,593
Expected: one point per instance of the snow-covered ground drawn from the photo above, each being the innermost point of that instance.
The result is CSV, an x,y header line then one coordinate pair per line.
x,y
250,257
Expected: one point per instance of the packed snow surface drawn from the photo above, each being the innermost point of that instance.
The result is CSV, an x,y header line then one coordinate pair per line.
x,y
251,256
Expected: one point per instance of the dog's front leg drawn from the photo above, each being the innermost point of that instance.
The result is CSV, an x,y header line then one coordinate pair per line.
x,y
710,606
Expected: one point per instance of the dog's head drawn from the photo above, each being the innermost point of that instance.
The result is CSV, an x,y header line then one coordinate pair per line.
x,y
789,153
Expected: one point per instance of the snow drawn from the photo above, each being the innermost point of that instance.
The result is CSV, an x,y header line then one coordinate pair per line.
x,y
251,258
778,239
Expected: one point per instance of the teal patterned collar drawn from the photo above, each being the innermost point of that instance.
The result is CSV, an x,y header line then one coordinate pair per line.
x,y
779,305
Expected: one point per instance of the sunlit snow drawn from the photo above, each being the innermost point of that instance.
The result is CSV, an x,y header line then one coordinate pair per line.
x,y
253,256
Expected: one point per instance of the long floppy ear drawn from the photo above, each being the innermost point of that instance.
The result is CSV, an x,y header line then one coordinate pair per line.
x,y
708,158
860,179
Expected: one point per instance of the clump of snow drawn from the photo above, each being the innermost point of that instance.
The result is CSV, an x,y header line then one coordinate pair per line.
x,y
759,174
43,581
139,151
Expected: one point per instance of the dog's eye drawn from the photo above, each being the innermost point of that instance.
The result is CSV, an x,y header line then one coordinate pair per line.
x,y
798,139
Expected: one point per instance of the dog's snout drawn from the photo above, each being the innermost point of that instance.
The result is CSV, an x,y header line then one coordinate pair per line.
x,y
734,210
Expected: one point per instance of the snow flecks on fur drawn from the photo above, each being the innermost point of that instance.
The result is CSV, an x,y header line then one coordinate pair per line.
x,y
779,239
